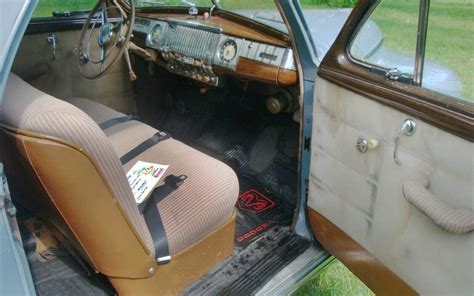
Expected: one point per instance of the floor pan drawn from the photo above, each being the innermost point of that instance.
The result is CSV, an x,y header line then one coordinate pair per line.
x,y
249,269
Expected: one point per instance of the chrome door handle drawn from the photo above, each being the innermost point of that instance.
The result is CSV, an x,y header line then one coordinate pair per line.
x,y
408,129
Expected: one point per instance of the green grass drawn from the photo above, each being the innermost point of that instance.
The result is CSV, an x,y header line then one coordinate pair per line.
x,y
45,8
334,280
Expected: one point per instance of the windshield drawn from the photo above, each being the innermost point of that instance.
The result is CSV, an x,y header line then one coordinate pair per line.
x,y
174,3
263,11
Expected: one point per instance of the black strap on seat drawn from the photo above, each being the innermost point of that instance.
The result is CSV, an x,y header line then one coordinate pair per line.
x,y
149,209
114,121
158,137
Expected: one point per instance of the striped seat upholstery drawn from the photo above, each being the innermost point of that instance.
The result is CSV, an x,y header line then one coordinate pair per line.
x,y
202,204
199,203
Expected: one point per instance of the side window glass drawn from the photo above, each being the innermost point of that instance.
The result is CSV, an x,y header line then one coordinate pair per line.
x,y
388,38
449,60
46,8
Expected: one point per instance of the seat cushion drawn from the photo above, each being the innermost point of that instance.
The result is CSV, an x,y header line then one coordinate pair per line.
x,y
206,199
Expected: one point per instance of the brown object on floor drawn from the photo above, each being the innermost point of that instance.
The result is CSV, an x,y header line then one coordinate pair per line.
x,y
371,271
44,238
185,267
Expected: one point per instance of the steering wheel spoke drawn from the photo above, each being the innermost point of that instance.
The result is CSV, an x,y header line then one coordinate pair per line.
x,y
103,54
105,18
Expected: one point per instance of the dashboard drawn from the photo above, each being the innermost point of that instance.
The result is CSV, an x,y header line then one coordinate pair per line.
x,y
204,51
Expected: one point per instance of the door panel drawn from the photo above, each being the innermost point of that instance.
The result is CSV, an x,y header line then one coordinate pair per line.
x,y
361,193
61,77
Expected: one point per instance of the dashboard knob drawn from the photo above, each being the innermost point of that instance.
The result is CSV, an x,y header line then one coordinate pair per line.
x,y
277,103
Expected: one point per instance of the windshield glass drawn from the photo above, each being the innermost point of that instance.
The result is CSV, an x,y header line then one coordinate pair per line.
x,y
174,3
263,11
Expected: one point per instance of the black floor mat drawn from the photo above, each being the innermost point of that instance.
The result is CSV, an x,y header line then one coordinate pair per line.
x,y
258,211
260,147
62,276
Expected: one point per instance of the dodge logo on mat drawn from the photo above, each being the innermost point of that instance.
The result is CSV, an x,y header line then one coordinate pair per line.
x,y
254,201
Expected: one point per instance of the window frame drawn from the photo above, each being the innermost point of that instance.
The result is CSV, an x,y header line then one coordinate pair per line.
x,y
415,78
409,78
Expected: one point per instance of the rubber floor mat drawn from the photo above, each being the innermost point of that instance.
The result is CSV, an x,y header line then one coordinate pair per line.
x,y
257,212
61,274
261,148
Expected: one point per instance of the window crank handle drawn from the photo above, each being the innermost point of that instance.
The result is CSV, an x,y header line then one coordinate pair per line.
x,y
52,41
408,129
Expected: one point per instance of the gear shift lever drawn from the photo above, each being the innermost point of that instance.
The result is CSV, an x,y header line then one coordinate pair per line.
x,y
131,74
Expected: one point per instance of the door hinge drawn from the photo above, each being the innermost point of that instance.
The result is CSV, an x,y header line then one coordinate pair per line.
x,y
306,189
307,143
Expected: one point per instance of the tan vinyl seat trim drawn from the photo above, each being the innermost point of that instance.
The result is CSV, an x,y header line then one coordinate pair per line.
x,y
84,153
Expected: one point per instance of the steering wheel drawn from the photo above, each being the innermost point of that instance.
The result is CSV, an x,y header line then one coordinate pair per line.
x,y
105,37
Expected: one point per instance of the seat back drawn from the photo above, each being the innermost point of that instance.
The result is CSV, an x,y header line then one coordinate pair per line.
x,y
74,180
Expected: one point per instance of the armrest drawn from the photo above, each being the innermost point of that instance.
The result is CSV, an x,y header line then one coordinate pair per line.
x,y
450,219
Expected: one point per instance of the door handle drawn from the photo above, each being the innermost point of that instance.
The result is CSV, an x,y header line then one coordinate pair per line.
x,y
450,219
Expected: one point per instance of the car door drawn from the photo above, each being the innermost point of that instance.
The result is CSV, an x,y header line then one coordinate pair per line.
x,y
15,275
47,57
392,167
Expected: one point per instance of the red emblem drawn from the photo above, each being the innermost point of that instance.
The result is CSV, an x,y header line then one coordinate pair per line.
x,y
254,201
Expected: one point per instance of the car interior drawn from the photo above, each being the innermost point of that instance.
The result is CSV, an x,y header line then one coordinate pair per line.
x,y
213,96
272,157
